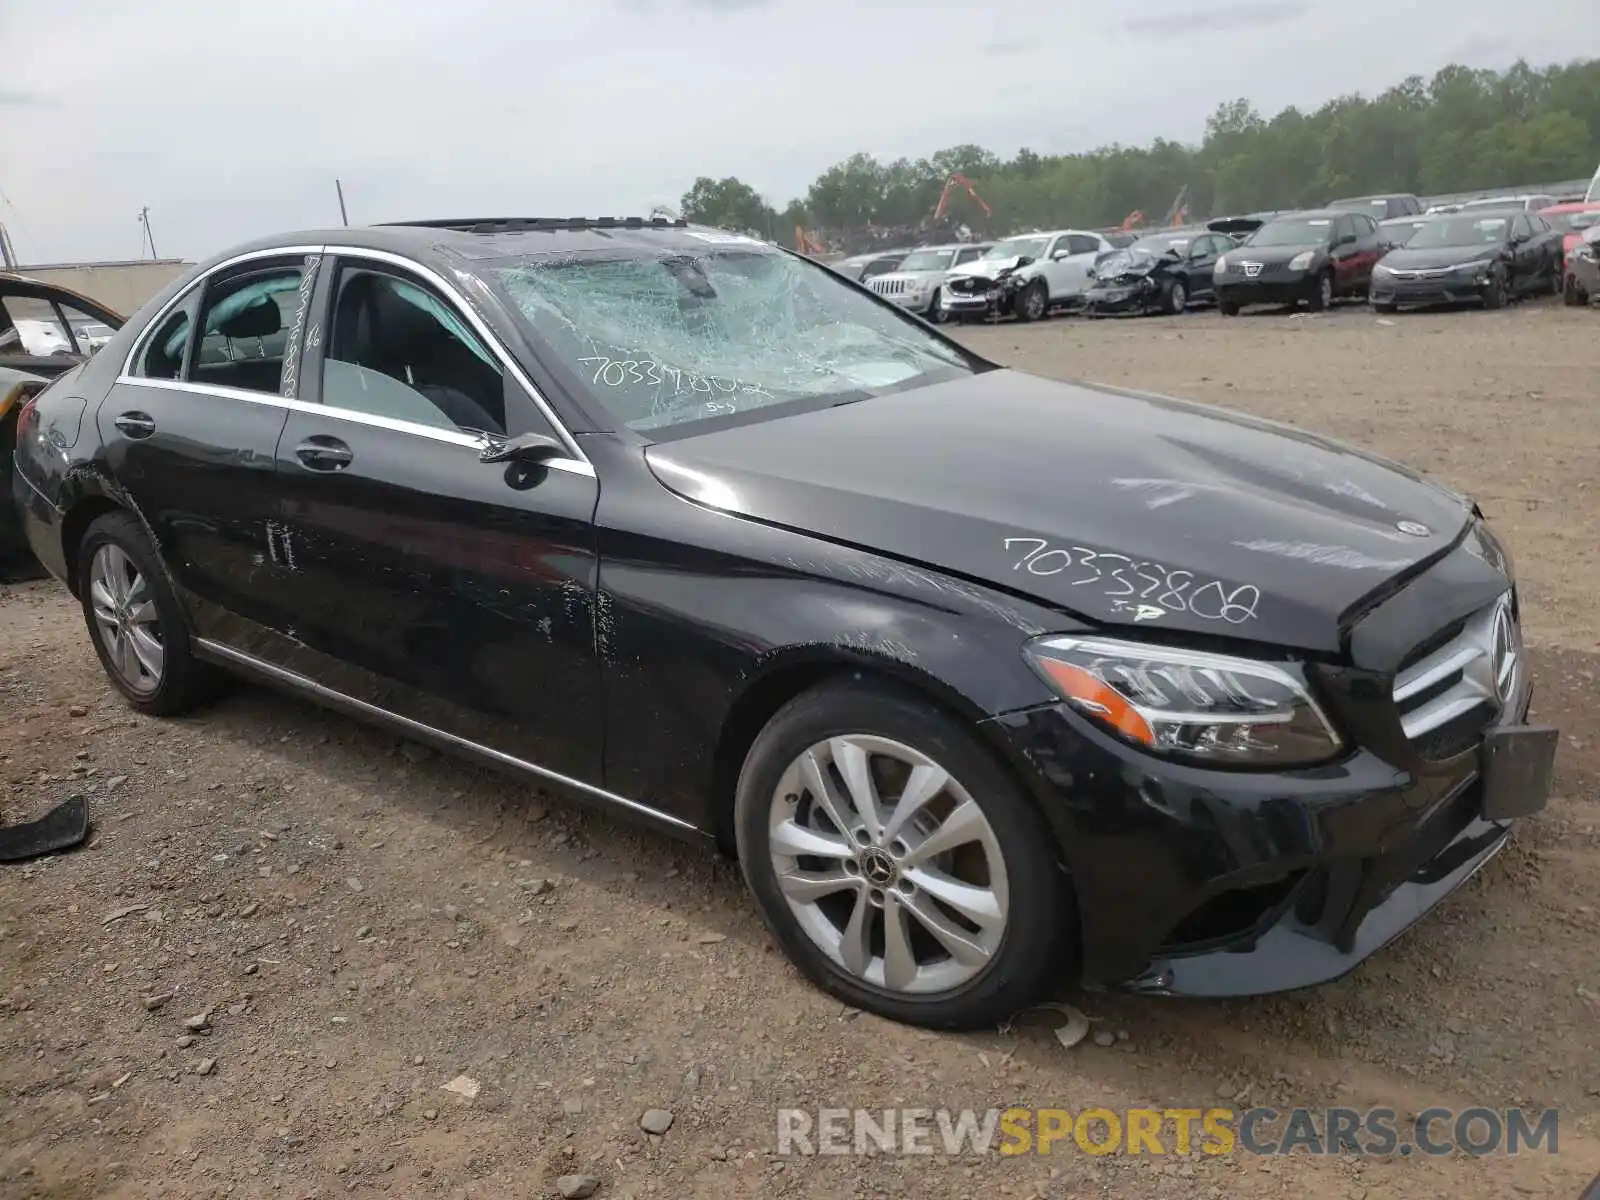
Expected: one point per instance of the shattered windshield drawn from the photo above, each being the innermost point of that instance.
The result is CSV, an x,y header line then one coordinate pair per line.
x,y
1024,247
690,337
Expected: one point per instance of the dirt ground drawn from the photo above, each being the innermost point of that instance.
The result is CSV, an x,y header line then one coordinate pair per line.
x,y
363,921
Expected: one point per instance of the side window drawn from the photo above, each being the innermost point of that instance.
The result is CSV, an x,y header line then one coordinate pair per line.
x,y
1078,243
162,355
1520,228
970,254
244,321
89,332
29,325
396,350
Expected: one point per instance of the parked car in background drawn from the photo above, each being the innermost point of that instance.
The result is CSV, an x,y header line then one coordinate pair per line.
x,y
915,283
16,387
1397,231
864,266
1570,220
46,329
1027,275
1529,202
1488,255
1163,272
1583,268
1380,208
970,730
1316,257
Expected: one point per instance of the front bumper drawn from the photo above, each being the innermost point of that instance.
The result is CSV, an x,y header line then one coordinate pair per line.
x,y
1198,881
1270,287
1435,289
1120,300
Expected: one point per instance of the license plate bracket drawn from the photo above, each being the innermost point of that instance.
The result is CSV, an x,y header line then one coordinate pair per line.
x,y
1517,764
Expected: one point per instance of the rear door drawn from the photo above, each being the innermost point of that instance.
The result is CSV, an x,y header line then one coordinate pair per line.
x,y
428,583
1526,267
190,432
1203,252
1071,275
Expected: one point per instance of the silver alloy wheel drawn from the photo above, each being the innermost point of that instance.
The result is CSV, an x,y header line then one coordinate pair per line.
x,y
1179,296
1034,302
126,618
1326,287
888,864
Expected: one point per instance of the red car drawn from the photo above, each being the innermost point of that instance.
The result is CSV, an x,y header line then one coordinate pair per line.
x,y
1570,220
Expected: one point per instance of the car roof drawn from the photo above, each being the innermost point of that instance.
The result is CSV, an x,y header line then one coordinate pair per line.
x,y
1374,196
1307,213
486,238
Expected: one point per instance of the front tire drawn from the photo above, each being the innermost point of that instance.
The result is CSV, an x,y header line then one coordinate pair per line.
x,y
1227,308
1176,298
1034,301
1495,297
1572,295
135,621
1322,297
897,862
1384,306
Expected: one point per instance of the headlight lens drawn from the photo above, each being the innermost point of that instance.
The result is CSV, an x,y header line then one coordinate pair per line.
x,y
1380,269
1213,707
1222,265
1302,260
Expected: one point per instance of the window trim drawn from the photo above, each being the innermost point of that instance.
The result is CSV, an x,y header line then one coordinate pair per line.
x,y
577,463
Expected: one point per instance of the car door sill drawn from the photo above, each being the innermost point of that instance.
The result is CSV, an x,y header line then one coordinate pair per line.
x,y
227,656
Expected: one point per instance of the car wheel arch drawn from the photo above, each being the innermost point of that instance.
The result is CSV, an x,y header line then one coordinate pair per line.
x,y
789,674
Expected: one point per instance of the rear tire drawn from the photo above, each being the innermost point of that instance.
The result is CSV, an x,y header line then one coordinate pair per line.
x,y
1227,308
135,621
821,870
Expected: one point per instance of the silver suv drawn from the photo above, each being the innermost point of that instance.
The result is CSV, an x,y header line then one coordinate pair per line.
x,y
915,283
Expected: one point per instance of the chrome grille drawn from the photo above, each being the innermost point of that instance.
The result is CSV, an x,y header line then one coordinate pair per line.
x,y
1448,695
887,287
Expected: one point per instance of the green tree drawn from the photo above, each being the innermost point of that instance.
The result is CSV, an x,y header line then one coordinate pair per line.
x,y
728,204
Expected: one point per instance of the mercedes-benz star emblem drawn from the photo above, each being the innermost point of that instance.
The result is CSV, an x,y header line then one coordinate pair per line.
x,y
1507,649
1414,528
877,867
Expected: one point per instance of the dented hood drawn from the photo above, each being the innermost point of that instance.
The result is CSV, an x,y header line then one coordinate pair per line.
x,y
1117,507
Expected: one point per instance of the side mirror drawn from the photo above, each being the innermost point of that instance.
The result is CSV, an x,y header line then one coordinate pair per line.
x,y
524,448
1023,261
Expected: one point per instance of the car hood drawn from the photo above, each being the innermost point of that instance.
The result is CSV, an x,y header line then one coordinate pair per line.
x,y
985,268
1432,257
1117,507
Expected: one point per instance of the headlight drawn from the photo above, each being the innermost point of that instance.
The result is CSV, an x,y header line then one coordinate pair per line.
x,y
1380,269
1302,260
1234,711
1222,265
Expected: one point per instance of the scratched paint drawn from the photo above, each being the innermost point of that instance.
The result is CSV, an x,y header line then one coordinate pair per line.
x,y
1325,556
1159,493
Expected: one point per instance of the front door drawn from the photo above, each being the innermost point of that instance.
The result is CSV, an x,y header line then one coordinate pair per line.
x,y
426,582
213,368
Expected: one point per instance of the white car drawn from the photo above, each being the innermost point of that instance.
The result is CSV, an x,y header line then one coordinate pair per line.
x,y
1053,269
915,283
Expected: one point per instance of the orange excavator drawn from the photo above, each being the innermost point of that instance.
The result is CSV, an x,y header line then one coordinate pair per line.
x,y
807,243
958,180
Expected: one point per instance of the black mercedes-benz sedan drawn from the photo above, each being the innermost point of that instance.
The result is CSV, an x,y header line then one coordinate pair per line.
x,y
985,679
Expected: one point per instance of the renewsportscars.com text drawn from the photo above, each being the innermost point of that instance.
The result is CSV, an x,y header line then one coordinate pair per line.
x,y
1375,1132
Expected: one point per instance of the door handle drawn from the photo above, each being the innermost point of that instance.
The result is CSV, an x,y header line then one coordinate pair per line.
x,y
324,454
135,424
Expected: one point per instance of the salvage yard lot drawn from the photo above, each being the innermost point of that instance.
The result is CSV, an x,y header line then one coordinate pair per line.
x,y
363,920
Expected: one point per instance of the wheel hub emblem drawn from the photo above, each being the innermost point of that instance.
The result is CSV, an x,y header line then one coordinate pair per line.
x,y
878,867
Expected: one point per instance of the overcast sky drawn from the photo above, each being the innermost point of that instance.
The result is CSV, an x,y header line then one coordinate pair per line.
x,y
230,121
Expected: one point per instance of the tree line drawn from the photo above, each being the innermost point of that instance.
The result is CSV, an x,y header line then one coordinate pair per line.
x,y
1463,130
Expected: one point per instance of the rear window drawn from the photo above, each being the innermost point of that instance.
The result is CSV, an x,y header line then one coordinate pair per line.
x,y
689,337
